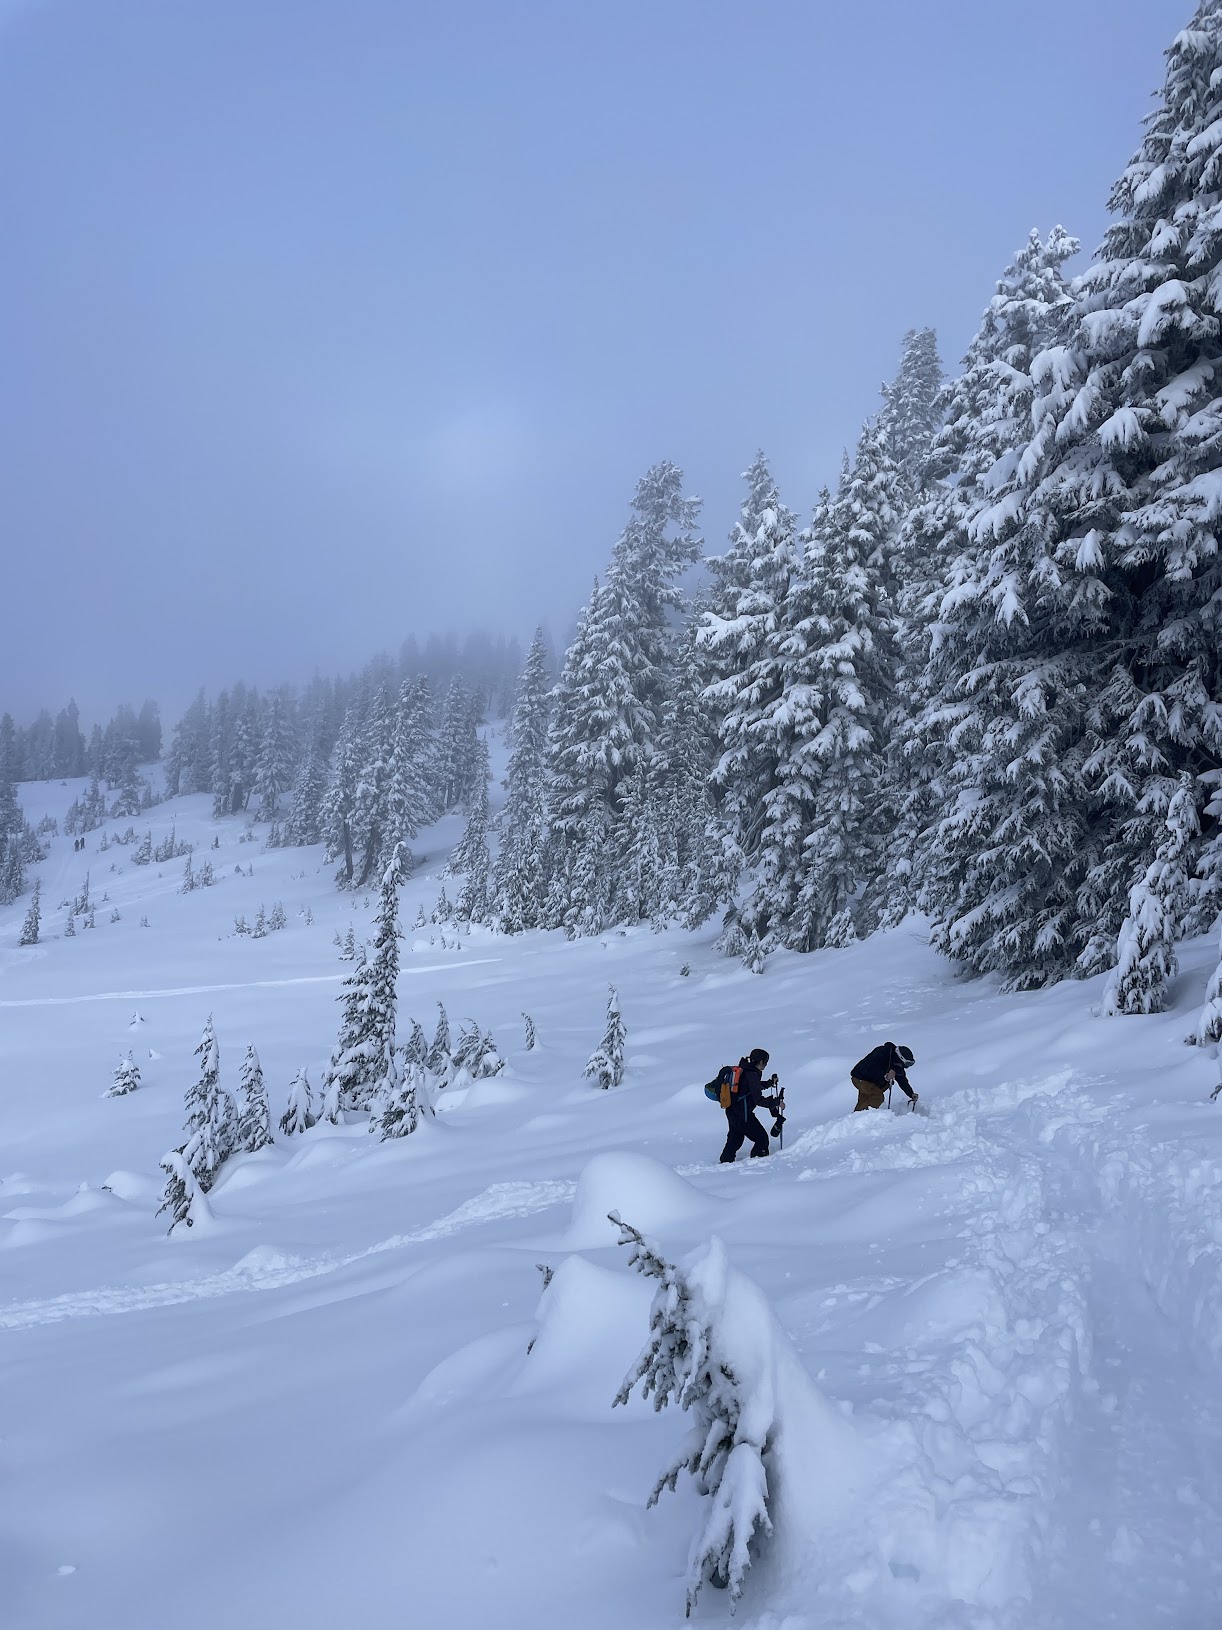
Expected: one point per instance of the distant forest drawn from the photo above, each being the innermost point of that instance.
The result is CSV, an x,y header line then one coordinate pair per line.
x,y
983,681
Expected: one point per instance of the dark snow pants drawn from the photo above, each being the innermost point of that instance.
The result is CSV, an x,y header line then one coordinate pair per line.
x,y
743,1124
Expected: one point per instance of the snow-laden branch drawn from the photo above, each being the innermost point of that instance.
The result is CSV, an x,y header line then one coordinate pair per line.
x,y
706,1357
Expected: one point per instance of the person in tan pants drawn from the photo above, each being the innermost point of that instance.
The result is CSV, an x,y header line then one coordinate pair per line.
x,y
878,1070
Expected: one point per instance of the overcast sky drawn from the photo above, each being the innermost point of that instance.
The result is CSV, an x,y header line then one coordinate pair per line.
x,y
323,321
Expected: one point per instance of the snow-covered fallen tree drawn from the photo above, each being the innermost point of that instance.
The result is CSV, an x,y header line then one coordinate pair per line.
x,y
765,1444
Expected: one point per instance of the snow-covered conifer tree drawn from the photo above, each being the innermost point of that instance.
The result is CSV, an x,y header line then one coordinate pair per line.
x,y
986,416
396,1109
456,746
184,1197
126,1077
611,697
304,825
339,813
254,1112
361,1059
910,413
438,1060
31,927
606,1063
12,868
299,1115
842,680
411,792
520,877
1209,1025
277,754
417,1049
471,855
372,813
1145,954
1093,658
702,860
212,1120
742,639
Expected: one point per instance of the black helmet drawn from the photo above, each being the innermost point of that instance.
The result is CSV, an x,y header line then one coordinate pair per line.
x,y
758,1056
906,1055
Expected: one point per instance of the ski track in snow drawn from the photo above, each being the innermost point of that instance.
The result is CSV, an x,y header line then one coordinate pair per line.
x,y
205,990
255,1273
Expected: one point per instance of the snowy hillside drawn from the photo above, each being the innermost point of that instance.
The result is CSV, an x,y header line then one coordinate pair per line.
x,y
322,1411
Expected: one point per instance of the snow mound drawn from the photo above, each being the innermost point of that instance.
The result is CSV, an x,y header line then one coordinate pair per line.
x,y
137,1188
592,1322
81,1203
641,1188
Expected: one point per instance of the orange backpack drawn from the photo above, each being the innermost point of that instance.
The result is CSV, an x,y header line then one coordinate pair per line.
x,y
723,1088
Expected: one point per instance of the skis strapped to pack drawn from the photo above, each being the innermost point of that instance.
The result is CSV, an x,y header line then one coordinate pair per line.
x,y
723,1088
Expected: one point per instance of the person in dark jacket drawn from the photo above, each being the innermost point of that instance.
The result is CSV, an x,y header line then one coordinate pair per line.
x,y
877,1071
753,1093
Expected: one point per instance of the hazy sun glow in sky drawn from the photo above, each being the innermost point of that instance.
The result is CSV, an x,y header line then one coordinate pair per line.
x,y
324,321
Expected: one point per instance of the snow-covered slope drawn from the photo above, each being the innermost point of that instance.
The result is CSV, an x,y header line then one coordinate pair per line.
x,y
322,1411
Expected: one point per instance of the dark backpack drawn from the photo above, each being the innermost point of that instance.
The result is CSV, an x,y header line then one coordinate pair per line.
x,y
723,1088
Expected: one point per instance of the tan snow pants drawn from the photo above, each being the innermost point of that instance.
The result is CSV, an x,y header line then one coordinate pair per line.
x,y
869,1094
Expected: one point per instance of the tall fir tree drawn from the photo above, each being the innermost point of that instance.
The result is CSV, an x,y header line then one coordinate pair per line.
x,y
254,1113
520,876
361,1059
304,824
741,639
985,415
32,926
1087,632
612,696
371,816
1145,955
457,746
911,413
299,1112
471,856
339,814
842,681
276,762
212,1122
605,1065
411,792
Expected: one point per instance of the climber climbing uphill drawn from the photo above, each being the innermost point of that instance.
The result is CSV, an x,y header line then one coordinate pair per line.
x,y
878,1071
747,1093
